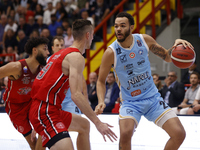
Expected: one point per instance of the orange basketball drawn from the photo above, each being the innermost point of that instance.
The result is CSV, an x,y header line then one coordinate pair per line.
x,y
183,57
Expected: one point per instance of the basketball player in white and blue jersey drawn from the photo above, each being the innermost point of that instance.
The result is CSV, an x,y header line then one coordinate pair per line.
x,y
129,57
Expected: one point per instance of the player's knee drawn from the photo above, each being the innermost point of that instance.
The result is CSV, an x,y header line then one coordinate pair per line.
x,y
190,111
180,136
85,127
126,134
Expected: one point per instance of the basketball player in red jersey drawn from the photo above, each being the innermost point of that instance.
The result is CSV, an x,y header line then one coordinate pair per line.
x,y
64,69
21,75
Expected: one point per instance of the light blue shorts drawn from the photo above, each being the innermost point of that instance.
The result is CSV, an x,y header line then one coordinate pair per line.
x,y
153,109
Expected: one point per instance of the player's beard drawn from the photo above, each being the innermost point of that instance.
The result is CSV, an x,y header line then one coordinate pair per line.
x,y
41,59
126,34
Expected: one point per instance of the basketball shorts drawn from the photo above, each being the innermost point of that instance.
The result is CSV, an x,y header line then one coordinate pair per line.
x,y
154,109
70,106
49,122
19,116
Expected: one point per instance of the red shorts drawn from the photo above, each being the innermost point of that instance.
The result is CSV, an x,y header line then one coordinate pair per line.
x,y
19,115
49,122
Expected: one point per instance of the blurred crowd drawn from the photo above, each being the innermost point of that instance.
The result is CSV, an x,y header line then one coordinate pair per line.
x,y
23,19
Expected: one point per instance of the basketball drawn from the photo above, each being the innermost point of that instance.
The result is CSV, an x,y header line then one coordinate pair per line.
x,y
183,57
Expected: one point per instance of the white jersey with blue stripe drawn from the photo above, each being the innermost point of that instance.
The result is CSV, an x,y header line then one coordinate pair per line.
x,y
132,68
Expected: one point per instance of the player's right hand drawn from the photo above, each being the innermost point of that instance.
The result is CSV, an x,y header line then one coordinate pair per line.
x,y
104,129
99,108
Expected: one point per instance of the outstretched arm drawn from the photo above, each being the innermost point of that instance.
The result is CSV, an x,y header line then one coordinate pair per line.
x,y
76,63
106,64
11,69
160,51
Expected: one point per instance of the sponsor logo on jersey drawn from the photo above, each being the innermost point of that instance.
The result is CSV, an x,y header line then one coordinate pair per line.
x,y
139,43
21,129
118,51
137,79
141,62
25,69
130,72
24,91
56,56
129,111
132,55
123,58
136,92
60,125
128,66
140,52
43,138
26,80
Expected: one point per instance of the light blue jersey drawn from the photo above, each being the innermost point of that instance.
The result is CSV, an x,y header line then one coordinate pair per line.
x,y
133,69
69,105
138,91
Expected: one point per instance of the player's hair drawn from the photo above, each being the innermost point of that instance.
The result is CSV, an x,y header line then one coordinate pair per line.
x,y
127,15
34,42
59,38
196,73
80,27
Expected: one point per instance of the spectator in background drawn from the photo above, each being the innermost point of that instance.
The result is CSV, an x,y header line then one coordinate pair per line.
x,y
112,92
69,37
31,22
39,25
2,27
10,50
60,32
22,41
35,33
54,25
24,26
91,88
172,92
60,12
186,76
46,33
47,14
32,5
65,25
156,81
85,15
7,6
11,25
82,4
38,11
10,40
195,108
3,85
21,11
189,95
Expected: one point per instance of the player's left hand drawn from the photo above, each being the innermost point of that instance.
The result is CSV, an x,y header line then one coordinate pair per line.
x,y
99,108
196,107
184,42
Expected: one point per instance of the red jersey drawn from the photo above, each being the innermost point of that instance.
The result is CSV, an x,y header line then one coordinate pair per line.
x,y
19,91
51,84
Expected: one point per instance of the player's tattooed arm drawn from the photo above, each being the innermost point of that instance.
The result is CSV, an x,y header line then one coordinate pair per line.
x,y
158,50
170,51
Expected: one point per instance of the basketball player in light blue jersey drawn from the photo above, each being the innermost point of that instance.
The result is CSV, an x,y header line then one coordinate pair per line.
x,y
129,57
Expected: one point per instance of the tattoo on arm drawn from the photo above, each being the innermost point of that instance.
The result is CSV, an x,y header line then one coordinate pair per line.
x,y
158,50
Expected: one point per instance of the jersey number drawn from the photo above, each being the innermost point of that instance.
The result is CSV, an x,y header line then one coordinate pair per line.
x,y
44,71
76,109
164,104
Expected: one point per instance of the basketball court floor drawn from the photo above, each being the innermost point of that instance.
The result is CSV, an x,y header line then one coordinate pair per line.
x,y
146,137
